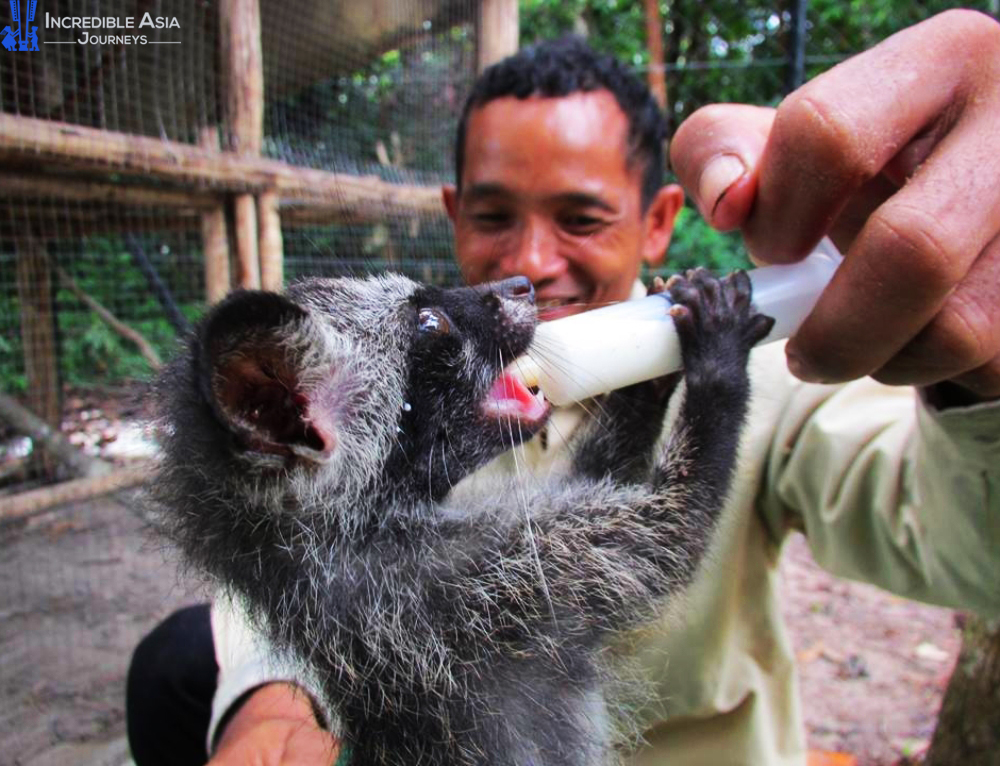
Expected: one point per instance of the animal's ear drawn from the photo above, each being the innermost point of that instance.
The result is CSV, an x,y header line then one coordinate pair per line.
x,y
250,373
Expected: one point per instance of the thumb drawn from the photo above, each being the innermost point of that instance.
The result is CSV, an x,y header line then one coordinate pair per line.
x,y
715,153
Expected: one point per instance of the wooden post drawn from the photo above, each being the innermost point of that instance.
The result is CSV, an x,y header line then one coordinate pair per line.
x,y
496,31
247,252
243,65
214,237
29,189
38,332
26,504
95,154
271,255
215,240
656,76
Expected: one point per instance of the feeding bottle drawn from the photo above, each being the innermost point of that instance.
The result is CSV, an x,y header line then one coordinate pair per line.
x,y
580,356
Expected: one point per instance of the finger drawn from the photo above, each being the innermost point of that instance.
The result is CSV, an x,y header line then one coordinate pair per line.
x,y
714,154
859,208
962,342
929,239
983,381
839,131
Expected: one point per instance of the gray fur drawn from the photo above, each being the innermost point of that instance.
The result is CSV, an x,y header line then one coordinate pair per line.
x,y
308,460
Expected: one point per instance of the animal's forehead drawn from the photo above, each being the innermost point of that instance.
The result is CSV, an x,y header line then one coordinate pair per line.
x,y
354,301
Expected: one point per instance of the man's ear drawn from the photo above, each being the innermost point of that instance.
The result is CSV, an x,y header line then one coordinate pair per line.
x,y
658,223
250,374
449,195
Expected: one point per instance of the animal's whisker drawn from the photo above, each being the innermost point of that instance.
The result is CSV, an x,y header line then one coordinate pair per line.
x,y
320,495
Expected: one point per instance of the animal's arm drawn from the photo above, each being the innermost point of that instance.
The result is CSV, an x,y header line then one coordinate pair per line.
x,y
624,425
597,557
619,439
599,561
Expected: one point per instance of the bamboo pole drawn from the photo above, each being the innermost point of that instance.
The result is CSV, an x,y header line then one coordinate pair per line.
x,y
21,185
247,252
656,76
214,236
101,153
271,248
243,65
496,31
294,213
215,242
73,222
243,82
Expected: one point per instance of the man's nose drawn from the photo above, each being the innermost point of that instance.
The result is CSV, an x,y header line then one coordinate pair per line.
x,y
536,255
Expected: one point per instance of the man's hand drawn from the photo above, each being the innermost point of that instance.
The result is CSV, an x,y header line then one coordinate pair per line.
x,y
275,727
896,154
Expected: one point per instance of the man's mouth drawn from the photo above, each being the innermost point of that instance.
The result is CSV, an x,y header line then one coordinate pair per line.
x,y
556,308
510,398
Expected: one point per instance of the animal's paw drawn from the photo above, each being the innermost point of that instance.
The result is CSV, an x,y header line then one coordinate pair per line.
x,y
715,319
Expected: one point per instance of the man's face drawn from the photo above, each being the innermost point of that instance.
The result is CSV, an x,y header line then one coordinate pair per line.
x,y
547,193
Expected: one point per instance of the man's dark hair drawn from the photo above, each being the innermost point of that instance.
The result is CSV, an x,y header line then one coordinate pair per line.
x,y
568,65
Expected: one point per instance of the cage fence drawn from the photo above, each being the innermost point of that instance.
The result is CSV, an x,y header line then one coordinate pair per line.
x,y
245,142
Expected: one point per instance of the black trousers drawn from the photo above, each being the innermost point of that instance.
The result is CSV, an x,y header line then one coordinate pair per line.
x,y
168,694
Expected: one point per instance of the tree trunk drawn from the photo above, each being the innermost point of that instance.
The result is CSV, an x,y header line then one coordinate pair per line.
x,y
656,77
968,730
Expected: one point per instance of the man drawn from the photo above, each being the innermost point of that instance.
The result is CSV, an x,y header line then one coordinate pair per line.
x,y
560,180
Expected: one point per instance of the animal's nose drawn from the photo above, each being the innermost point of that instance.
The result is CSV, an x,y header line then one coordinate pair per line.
x,y
516,288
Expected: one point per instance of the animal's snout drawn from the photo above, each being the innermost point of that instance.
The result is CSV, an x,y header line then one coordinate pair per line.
x,y
516,288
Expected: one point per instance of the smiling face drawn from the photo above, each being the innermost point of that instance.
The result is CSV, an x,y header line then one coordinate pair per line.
x,y
548,193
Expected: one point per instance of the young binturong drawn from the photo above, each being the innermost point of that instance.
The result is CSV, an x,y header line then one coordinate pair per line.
x,y
311,441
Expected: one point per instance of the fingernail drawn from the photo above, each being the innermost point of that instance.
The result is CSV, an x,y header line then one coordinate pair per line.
x,y
719,174
798,367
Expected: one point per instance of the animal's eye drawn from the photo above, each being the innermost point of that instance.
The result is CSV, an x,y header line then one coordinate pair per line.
x,y
433,321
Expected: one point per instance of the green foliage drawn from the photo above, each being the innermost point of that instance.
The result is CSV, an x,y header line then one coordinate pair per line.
x,y
695,243
89,351
723,51
12,378
726,50
92,352
394,115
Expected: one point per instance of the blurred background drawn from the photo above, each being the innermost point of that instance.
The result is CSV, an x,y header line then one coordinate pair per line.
x,y
253,142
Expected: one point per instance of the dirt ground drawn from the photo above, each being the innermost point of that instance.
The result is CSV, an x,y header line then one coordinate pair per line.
x,y
80,585
873,667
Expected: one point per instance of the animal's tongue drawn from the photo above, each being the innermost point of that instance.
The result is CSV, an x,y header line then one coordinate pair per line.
x,y
511,398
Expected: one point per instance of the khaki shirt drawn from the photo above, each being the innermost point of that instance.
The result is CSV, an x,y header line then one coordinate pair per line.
x,y
887,491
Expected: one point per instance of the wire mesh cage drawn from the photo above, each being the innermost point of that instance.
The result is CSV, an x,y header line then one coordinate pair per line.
x,y
152,155
143,172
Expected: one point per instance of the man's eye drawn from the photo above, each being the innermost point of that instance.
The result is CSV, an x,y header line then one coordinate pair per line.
x,y
433,321
491,219
581,224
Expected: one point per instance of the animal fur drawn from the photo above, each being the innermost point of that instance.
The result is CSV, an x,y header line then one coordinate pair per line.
x,y
311,441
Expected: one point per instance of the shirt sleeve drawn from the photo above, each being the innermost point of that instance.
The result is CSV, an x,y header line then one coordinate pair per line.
x,y
246,662
890,491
